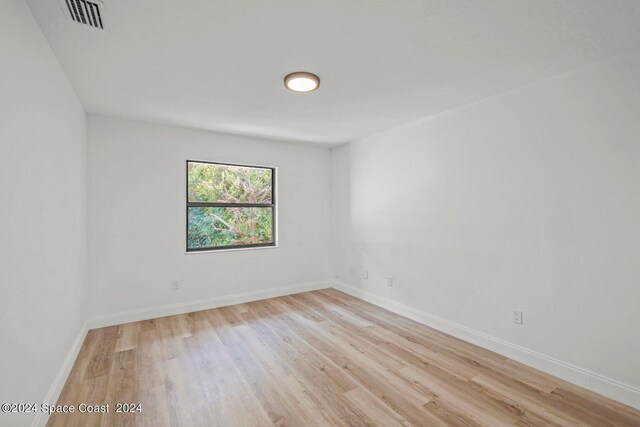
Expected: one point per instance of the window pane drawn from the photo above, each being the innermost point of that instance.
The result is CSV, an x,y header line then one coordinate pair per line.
x,y
229,184
211,227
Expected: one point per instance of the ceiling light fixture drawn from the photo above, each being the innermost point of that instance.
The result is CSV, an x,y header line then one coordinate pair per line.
x,y
301,81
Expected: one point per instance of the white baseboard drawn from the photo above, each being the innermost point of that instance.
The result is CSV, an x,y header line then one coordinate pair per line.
x,y
203,304
53,394
597,383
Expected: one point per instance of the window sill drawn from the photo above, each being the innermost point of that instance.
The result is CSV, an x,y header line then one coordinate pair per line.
x,y
230,250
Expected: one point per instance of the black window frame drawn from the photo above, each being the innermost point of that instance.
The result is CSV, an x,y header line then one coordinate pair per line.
x,y
271,205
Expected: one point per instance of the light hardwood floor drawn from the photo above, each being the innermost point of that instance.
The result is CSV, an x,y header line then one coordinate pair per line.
x,y
319,358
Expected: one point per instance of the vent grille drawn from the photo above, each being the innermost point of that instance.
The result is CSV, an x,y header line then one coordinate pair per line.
x,y
85,12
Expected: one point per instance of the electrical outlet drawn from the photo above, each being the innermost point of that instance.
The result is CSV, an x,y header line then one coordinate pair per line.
x,y
366,274
175,285
390,281
517,317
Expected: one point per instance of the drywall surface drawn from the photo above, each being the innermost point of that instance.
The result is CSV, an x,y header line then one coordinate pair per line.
x,y
42,212
137,180
529,201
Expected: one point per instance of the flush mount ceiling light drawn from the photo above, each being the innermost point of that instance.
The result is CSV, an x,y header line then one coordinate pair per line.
x,y
302,81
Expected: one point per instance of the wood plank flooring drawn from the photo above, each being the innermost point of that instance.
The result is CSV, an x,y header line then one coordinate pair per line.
x,y
319,358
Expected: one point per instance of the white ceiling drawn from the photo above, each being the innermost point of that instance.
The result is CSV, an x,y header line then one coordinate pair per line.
x,y
219,64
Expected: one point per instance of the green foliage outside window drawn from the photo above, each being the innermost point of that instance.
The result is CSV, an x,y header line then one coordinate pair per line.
x,y
225,224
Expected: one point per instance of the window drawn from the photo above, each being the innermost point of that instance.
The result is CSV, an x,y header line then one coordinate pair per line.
x,y
229,206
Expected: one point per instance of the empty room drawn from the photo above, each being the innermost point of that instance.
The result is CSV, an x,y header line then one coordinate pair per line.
x,y
319,213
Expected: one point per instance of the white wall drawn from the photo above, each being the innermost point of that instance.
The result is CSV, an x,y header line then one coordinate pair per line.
x,y
42,212
528,200
137,217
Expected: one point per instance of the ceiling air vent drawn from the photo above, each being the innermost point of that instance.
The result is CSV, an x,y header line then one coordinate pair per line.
x,y
86,12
